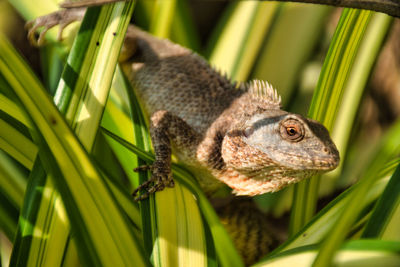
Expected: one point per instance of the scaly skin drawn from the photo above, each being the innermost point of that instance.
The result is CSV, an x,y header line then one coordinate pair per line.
x,y
224,132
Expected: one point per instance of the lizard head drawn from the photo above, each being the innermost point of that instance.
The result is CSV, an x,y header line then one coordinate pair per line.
x,y
272,148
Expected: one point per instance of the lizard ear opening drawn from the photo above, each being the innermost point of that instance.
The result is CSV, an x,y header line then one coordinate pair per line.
x,y
264,92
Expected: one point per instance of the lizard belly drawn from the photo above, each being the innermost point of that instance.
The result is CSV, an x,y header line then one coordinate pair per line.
x,y
188,158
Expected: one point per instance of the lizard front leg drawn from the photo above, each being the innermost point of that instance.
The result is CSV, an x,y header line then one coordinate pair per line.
x,y
167,129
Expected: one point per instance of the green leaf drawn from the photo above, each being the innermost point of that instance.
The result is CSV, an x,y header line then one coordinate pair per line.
x,y
226,252
28,246
162,18
184,31
388,148
12,109
77,177
14,137
12,189
297,29
385,217
321,224
116,118
247,24
50,206
13,180
344,74
17,145
355,86
354,253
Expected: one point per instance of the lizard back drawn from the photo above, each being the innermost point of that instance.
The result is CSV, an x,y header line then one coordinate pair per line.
x,y
169,77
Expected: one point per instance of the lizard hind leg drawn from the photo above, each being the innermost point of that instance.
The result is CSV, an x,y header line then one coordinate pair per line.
x,y
74,11
62,18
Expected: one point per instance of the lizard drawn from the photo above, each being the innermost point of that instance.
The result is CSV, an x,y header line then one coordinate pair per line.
x,y
229,133
226,133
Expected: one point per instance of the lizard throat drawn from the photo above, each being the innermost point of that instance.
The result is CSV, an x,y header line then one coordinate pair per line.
x,y
256,183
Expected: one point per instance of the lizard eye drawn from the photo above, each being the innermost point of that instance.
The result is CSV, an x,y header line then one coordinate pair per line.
x,y
292,130
248,131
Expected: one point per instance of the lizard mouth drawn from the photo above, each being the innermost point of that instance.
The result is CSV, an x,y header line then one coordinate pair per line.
x,y
322,164
330,161
273,177
313,159
326,162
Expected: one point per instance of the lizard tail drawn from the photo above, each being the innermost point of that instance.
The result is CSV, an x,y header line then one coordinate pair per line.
x,y
148,48
252,234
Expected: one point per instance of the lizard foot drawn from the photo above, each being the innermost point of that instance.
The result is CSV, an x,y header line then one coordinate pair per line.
x,y
62,18
161,178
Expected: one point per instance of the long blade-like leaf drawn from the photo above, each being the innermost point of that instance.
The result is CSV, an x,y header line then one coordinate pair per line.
x,y
74,164
327,98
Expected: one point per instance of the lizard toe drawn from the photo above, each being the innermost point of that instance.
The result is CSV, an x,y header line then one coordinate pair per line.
x,y
62,18
160,179
170,183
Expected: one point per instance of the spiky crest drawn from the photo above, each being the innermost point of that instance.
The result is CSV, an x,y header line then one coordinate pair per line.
x,y
264,92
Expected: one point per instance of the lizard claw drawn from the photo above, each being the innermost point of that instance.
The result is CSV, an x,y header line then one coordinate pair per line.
x,y
32,26
62,18
160,179
143,168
